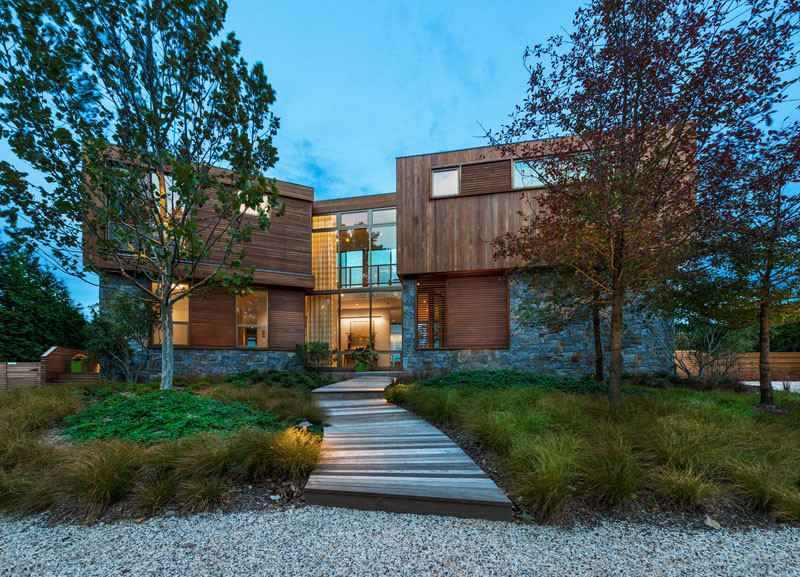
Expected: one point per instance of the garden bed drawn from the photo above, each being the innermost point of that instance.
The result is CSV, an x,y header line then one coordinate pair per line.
x,y
130,450
562,454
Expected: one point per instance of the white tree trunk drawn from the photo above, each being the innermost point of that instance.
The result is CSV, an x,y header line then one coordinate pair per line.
x,y
167,360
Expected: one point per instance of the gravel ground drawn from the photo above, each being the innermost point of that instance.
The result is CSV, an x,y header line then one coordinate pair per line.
x,y
322,541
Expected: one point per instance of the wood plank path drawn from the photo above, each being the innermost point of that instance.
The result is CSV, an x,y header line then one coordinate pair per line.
x,y
379,456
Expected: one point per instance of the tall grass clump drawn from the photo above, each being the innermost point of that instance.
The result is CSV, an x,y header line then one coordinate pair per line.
x,y
31,410
204,493
543,468
25,492
608,467
685,487
100,473
294,454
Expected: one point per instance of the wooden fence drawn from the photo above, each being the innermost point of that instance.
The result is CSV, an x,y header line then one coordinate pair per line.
x,y
785,366
54,362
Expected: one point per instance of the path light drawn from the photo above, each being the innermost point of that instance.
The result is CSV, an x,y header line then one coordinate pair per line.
x,y
394,381
303,426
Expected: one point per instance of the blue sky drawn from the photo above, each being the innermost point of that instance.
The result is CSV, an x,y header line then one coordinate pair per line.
x,y
361,83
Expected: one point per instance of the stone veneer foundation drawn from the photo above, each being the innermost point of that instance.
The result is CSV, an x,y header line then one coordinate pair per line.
x,y
566,353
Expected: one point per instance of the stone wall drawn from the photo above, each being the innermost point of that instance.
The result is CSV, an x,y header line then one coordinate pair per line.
x,y
565,353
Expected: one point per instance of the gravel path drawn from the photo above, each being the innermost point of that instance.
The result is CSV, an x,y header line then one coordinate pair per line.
x,y
321,541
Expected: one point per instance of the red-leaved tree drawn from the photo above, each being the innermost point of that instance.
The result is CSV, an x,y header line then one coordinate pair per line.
x,y
634,93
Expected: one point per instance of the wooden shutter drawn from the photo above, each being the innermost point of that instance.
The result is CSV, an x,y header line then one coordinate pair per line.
x,y
486,177
212,320
286,318
431,313
477,312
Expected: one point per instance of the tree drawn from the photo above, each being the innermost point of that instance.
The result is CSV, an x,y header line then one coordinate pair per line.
x,y
124,110
752,238
36,310
119,336
633,95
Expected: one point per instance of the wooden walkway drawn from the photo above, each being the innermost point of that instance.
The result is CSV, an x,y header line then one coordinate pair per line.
x,y
379,456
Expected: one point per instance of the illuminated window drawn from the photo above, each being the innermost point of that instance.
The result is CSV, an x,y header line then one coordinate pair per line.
x,y
251,319
180,319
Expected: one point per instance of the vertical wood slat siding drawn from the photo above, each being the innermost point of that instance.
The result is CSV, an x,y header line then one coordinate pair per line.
x,y
455,234
286,318
486,177
477,312
212,320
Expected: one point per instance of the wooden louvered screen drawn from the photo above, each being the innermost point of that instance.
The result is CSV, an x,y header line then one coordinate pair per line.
x,y
431,313
477,312
212,320
286,318
486,177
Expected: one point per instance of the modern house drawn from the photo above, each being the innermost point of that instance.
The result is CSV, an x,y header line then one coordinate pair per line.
x,y
411,274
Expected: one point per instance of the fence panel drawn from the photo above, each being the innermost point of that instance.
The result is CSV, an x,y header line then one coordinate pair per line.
x,y
785,366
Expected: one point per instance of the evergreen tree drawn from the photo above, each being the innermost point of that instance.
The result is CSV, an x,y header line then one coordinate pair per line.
x,y
36,310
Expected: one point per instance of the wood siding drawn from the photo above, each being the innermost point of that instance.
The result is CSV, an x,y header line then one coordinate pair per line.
x,y
462,312
455,233
281,255
355,203
20,375
213,319
286,318
477,312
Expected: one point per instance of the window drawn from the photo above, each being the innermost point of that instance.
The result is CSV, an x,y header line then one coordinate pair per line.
x,y
354,218
180,319
324,221
444,182
431,318
384,216
524,176
251,319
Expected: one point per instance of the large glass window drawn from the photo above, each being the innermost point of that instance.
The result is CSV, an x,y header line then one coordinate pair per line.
x,y
354,262
180,319
251,319
354,258
323,259
444,182
383,256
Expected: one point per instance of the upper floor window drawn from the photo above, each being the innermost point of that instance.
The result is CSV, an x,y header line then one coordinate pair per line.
x,y
525,176
251,319
444,182
355,218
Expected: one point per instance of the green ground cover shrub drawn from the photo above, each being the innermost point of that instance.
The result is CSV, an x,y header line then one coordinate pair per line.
x,y
559,442
162,415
